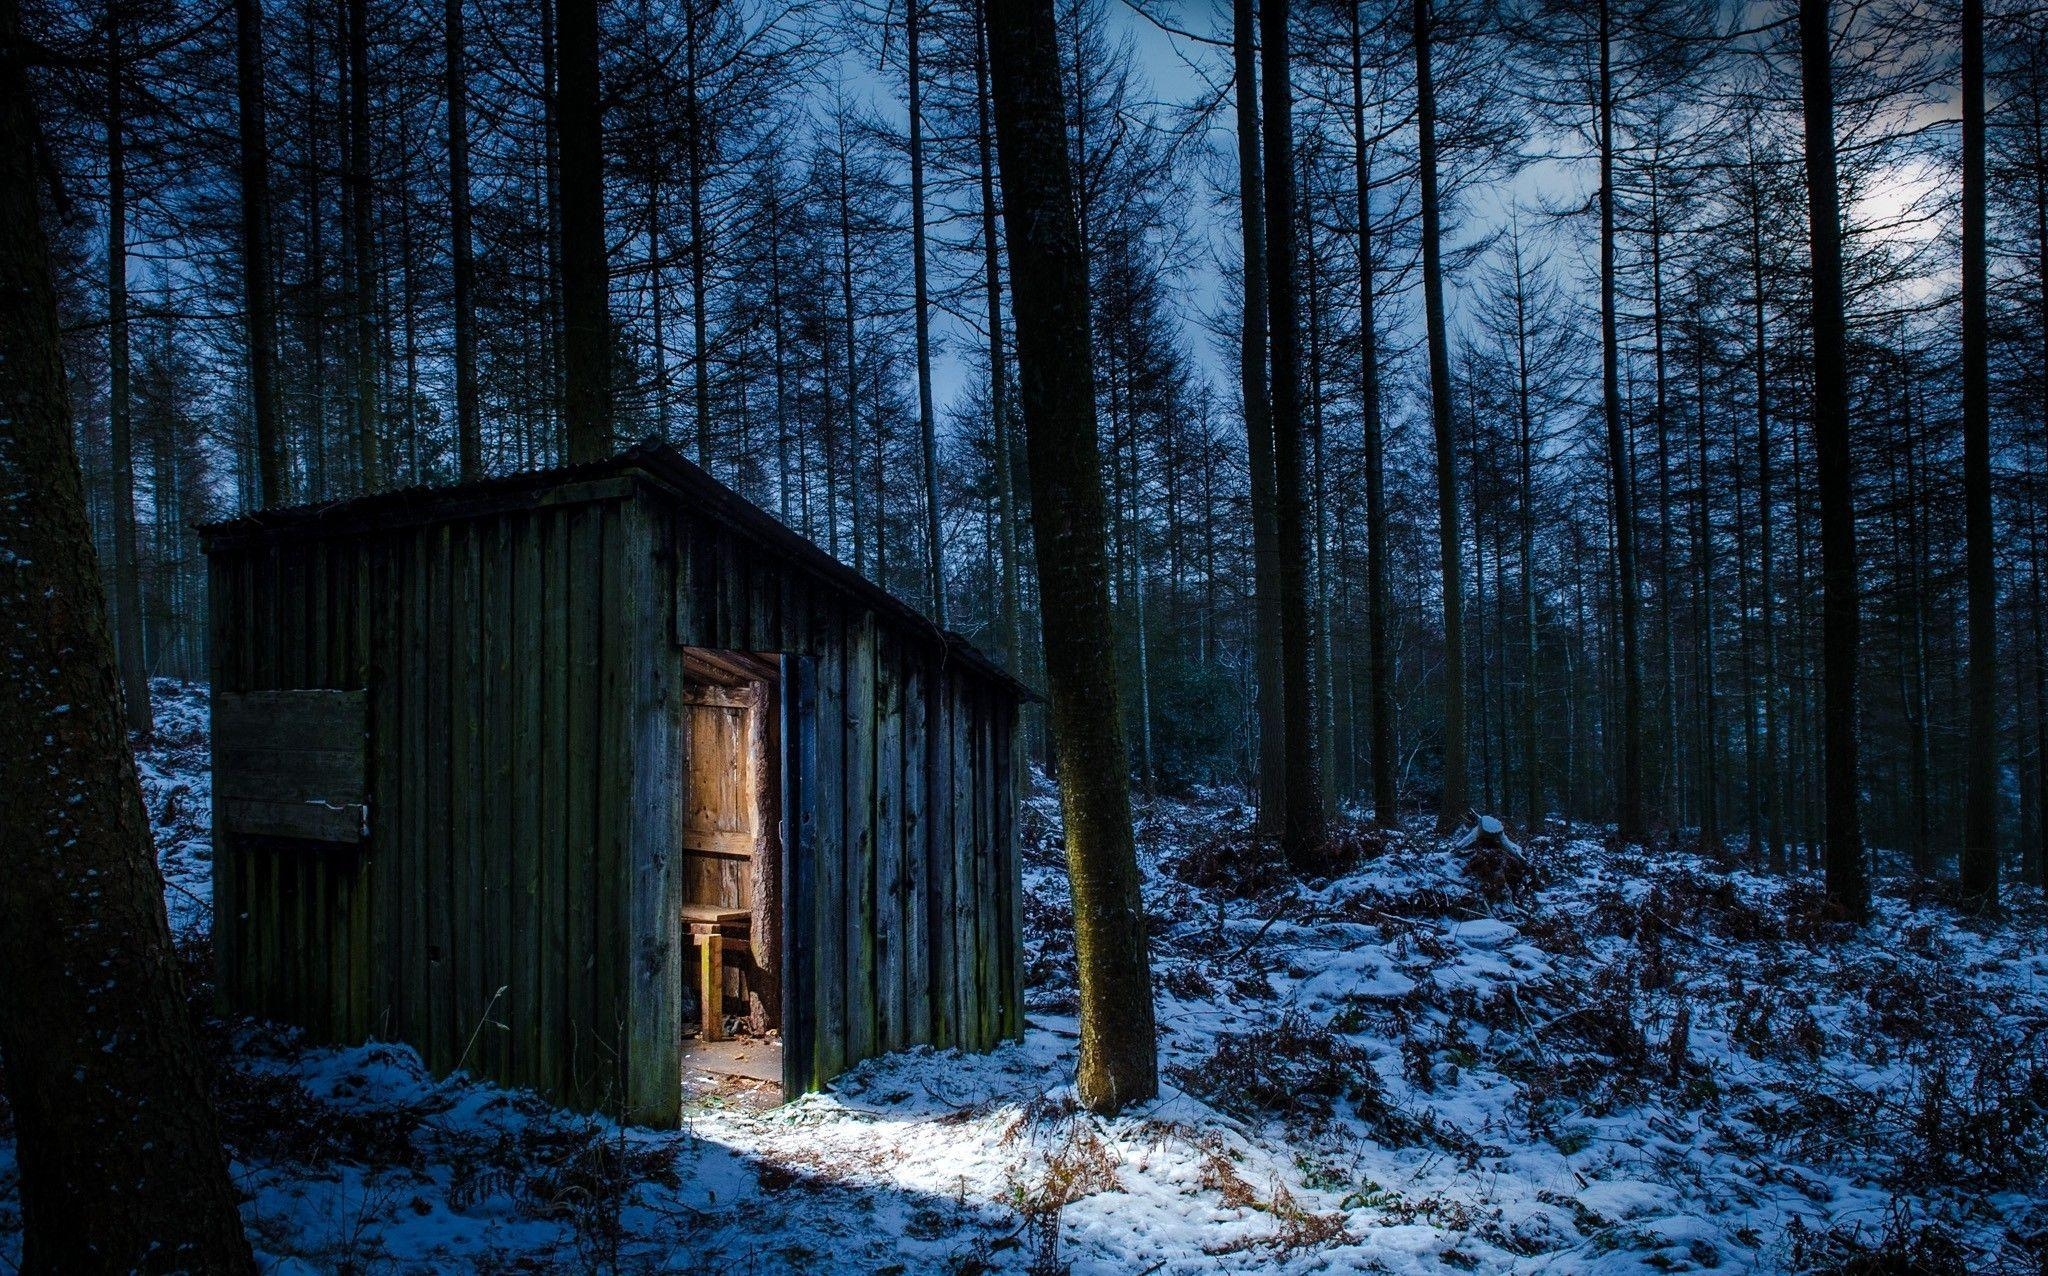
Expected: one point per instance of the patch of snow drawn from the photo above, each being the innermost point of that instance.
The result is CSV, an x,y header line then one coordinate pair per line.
x,y
1635,1061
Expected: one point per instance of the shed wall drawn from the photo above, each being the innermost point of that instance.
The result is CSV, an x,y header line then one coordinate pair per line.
x,y
498,653
524,757
913,934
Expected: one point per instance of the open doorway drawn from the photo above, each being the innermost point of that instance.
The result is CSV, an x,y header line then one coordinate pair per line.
x,y
729,814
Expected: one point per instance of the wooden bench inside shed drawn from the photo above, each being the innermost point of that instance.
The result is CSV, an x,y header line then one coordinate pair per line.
x,y
709,927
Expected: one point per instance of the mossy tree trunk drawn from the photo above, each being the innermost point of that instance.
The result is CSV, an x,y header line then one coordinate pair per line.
x,y
1056,389
121,1165
1848,887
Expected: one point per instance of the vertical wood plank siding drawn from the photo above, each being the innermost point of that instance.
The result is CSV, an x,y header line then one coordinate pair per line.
x,y
515,910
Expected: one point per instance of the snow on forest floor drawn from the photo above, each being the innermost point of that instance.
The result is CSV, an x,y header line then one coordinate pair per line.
x,y
1571,1059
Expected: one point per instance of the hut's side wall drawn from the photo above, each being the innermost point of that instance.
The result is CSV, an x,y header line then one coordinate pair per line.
x,y
912,933
522,662
506,657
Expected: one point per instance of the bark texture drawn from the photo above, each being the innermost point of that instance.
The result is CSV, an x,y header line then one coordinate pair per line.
x,y
927,421
1979,866
1628,783
362,251
1258,426
1302,832
1379,648
468,428
121,1166
1056,389
1848,887
260,309
1452,806
120,432
586,317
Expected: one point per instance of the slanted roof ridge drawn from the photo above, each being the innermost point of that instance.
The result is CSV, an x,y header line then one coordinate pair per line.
x,y
668,473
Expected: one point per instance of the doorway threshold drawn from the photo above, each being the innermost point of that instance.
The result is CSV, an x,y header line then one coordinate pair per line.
x,y
750,1059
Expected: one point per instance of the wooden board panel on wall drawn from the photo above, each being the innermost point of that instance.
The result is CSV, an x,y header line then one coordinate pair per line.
x,y
292,764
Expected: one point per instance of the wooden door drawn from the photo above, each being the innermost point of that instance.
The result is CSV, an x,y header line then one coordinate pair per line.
x,y
728,803
731,842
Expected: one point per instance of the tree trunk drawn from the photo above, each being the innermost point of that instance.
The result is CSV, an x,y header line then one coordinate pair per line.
x,y
315,250
1147,771
554,338
1848,889
935,570
1525,447
778,325
1767,609
468,427
1258,429
586,320
1326,688
1628,780
1379,657
1302,829
1672,806
1049,299
260,307
657,308
362,250
1451,809
1913,550
121,1165
1710,727
852,362
1011,603
127,572
693,175
1745,633
1979,861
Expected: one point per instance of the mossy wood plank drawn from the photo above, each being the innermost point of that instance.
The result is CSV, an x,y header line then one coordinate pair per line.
x,y
891,882
988,773
944,885
469,898
617,704
687,620
799,913
858,915
364,957
581,712
417,1002
525,1009
828,984
483,1042
387,766
1012,870
555,656
651,927
764,597
918,903
965,938
732,593
435,848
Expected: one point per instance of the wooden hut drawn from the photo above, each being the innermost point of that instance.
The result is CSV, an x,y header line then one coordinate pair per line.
x,y
553,776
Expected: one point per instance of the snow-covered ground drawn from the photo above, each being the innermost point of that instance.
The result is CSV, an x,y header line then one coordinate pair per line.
x,y
1567,1059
